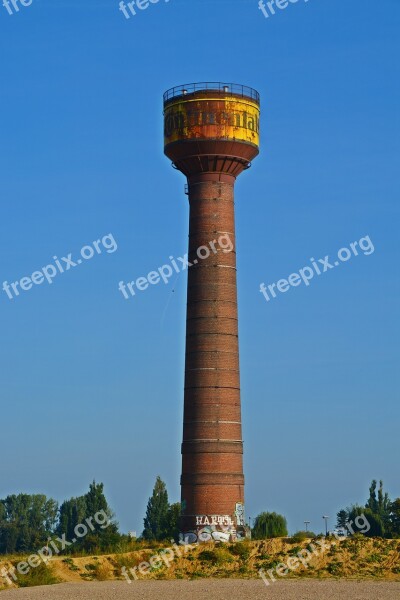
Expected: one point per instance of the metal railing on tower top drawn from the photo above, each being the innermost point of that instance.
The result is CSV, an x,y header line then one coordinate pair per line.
x,y
230,89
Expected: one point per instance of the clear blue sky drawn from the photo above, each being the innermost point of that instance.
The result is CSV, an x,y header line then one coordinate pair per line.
x,y
92,384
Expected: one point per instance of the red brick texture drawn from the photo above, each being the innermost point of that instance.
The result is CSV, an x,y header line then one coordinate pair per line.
x,y
212,467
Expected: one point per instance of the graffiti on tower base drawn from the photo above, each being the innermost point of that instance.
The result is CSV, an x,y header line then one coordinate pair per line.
x,y
216,528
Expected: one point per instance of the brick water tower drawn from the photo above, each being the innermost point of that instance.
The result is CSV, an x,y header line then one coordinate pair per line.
x,y
211,135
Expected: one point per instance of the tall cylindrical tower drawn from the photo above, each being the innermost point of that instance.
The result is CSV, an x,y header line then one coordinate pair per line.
x,y
211,135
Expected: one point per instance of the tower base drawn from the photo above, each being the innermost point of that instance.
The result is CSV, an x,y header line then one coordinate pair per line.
x,y
214,528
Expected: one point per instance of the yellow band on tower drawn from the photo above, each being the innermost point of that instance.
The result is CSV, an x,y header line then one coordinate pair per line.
x,y
206,118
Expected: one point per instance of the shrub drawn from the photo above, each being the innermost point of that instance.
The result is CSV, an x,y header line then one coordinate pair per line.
x,y
374,558
208,556
198,574
125,560
41,575
103,572
270,564
335,568
396,570
70,564
218,556
240,549
301,536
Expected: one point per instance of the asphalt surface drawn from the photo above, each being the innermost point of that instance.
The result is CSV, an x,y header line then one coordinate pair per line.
x,y
226,589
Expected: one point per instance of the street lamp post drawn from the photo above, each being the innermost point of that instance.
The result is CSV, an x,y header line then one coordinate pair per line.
x,y
325,517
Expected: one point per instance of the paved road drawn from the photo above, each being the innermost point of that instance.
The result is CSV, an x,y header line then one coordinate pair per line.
x,y
225,589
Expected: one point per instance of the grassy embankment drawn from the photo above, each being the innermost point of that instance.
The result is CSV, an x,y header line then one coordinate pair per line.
x,y
352,558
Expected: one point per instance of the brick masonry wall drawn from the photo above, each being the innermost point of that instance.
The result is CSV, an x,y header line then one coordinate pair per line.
x,y
212,467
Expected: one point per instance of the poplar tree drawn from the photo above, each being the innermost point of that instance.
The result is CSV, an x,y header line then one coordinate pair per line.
x,y
155,521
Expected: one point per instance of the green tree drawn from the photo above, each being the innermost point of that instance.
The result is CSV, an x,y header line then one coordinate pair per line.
x,y
372,502
383,500
8,538
269,525
395,518
379,504
377,527
155,521
26,522
105,535
172,521
76,511
378,511
95,503
72,513
341,518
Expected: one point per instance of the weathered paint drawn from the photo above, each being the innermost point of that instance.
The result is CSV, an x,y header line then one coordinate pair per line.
x,y
223,118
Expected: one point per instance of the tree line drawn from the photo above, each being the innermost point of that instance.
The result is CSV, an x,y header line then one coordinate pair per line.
x,y
28,522
382,514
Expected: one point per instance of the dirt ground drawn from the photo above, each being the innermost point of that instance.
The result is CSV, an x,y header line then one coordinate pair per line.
x,y
211,590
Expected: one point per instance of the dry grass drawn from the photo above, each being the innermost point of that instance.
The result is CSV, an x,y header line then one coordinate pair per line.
x,y
362,558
